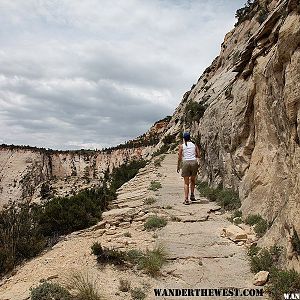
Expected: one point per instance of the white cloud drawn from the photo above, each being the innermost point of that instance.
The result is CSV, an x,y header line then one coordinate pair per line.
x,y
95,73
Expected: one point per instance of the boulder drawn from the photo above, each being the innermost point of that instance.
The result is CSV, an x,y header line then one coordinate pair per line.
x,y
261,278
235,233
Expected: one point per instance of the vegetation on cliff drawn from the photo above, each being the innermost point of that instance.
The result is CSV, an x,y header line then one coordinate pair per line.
x,y
226,198
280,280
26,229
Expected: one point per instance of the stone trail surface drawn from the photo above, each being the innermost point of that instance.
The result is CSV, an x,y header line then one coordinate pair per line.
x,y
198,255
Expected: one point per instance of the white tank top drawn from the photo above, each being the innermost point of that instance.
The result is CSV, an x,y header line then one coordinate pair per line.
x,y
189,151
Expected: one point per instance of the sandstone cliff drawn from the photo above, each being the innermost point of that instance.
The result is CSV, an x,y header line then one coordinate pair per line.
x,y
29,174
249,133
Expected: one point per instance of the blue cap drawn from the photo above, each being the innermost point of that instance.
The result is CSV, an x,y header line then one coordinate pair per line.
x,y
186,135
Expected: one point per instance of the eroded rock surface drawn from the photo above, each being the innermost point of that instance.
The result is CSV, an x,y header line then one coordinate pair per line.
x,y
249,133
198,255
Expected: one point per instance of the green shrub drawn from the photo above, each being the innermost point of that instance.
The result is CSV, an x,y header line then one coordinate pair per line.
x,y
20,235
63,215
125,172
25,230
245,13
281,282
154,185
206,191
127,234
253,250
134,256
138,294
150,200
163,149
46,190
152,261
236,217
237,214
50,291
264,259
124,285
261,228
84,287
169,139
106,255
194,111
253,219
237,220
261,225
155,222
226,198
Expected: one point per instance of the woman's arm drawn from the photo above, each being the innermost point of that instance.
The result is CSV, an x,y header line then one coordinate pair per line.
x,y
179,158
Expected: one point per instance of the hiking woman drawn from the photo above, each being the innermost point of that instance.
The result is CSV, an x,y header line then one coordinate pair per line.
x,y
187,155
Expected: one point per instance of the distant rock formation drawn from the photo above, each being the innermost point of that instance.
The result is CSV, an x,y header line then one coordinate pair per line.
x,y
31,174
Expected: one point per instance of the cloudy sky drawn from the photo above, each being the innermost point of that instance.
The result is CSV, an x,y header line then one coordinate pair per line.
x,y
90,74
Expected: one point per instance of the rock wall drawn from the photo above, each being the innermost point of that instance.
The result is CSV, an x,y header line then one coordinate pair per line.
x,y
28,173
249,133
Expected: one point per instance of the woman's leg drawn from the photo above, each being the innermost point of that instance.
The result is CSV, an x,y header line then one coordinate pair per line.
x,y
193,182
186,187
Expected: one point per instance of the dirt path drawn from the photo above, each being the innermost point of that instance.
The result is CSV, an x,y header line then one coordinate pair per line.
x,y
198,256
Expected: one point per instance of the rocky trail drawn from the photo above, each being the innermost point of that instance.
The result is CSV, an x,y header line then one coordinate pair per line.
x,y
199,255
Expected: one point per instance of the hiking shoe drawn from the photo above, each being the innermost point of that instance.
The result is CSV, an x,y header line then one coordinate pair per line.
x,y
186,202
192,198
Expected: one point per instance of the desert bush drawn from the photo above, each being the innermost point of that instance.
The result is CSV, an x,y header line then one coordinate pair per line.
x,y
169,139
207,191
124,285
20,236
150,200
125,172
261,228
163,149
283,282
227,198
154,185
153,260
253,250
127,234
264,259
134,256
245,13
138,294
63,215
260,224
106,255
155,222
253,219
46,190
50,291
84,287
194,112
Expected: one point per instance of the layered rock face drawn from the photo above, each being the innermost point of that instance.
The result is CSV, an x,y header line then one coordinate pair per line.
x,y
29,174
249,133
